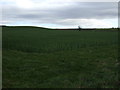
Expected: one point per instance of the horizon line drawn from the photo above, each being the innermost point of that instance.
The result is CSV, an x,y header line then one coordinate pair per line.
x,y
52,28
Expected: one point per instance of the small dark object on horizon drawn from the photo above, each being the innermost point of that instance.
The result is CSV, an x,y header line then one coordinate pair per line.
x,y
79,28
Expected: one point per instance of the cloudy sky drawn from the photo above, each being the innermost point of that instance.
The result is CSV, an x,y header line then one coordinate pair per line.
x,y
59,13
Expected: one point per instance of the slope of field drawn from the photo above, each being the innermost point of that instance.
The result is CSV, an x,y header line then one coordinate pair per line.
x,y
37,57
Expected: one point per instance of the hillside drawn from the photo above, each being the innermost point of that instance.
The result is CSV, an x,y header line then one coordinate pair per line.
x,y
40,58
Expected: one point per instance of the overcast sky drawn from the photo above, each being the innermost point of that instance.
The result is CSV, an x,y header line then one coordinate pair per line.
x,y
59,13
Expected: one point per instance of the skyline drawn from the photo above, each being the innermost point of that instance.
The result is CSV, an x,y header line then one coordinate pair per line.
x,y
59,14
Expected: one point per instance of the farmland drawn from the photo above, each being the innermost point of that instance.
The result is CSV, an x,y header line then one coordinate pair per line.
x,y
36,57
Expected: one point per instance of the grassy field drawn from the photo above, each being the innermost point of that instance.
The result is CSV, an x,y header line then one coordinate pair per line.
x,y
43,58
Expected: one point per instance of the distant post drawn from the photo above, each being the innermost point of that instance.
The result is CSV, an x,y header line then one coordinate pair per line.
x,y
79,28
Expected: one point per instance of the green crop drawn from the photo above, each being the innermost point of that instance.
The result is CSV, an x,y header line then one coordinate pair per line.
x,y
45,58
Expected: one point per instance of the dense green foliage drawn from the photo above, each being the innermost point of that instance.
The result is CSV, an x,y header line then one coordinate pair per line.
x,y
37,57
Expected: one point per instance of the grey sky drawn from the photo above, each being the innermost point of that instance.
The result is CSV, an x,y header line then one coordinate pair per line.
x,y
60,14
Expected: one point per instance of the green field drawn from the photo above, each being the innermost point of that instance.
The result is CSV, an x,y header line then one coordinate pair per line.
x,y
43,58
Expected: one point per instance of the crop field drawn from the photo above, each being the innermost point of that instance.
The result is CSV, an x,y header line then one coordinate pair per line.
x,y
44,58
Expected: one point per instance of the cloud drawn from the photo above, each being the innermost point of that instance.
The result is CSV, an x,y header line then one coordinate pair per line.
x,y
59,12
